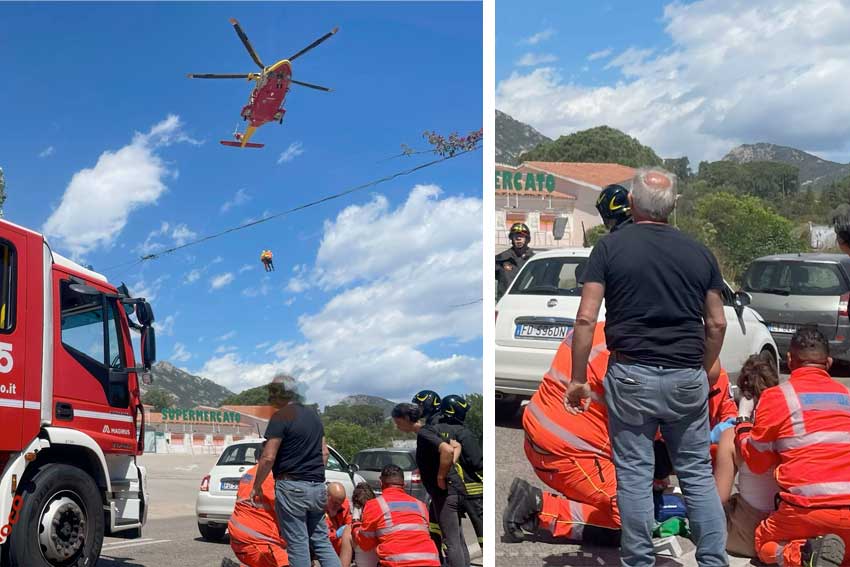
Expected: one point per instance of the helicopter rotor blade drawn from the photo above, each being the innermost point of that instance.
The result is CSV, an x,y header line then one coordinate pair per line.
x,y
217,76
310,86
246,43
314,44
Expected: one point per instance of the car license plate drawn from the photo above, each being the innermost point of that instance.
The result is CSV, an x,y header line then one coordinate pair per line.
x,y
781,328
547,332
230,484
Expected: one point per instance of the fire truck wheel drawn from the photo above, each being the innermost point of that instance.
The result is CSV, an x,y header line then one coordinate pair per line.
x,y
61,520
212,533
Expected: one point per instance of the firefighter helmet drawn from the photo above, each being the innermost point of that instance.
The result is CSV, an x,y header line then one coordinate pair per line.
x,y
454,407
613,206
428,401
520,228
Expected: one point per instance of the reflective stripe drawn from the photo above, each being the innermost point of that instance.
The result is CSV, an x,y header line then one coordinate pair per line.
x,y
251,532
576,512
596,351
759,446
414,506
402,528
788,443
780,558
559,376
412,557
568,340
560,432
388,518
794,410
821,489
434,528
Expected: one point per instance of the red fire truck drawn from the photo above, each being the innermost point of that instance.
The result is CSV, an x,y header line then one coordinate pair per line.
x,y
71,416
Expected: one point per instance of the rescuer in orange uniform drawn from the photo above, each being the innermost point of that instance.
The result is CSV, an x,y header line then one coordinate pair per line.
x,y
802,427
338,518
268,260
397,525
571,454
254,535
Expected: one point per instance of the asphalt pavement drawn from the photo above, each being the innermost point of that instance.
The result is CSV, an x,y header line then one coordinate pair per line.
x,y
539,552
171,536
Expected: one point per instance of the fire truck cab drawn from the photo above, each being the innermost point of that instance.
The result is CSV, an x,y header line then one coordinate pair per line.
x,y
71,416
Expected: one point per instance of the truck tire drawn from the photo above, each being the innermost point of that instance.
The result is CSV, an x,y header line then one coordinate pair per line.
x,y
61,520
212,533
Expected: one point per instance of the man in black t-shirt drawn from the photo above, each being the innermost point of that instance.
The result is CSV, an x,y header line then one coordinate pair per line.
x,y
296,453
664,327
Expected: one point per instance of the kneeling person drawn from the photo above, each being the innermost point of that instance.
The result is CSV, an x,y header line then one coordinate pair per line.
x,y
254,535
338,518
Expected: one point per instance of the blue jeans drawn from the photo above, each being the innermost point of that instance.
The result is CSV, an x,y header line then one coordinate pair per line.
x,y
300,508
641,399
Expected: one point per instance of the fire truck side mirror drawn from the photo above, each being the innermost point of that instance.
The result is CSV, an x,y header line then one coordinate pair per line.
x,y
144,313
148,347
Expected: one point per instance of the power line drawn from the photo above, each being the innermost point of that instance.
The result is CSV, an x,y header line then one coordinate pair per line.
x,y
292,210
479,300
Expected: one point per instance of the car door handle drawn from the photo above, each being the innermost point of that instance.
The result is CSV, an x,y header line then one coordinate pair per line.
x,y
64,411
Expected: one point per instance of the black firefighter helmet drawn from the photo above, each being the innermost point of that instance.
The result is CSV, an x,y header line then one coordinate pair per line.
x,y
454,407
613,206
428,401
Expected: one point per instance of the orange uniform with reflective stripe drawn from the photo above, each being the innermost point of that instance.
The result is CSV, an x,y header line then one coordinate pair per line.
x,y
397,525
572,453
721,404
254,533
802,427
335,523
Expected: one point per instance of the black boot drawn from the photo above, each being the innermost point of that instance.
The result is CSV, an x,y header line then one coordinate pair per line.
x,y
823,551
524,503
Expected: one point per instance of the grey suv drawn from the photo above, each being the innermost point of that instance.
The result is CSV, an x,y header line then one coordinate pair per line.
x,y
370,462
792,290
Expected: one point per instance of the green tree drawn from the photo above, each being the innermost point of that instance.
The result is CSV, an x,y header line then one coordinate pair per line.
x,y
158,398
258,396
738,229
595,234
365,416
475,416
681,167
597,145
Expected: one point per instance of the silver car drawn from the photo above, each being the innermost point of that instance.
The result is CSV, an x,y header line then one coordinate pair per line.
x,y
792,290
370,462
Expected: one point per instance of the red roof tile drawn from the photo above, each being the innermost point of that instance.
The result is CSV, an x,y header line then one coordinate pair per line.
x,y
599,174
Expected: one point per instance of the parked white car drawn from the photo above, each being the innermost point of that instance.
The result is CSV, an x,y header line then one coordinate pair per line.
x,y
540,307
217,494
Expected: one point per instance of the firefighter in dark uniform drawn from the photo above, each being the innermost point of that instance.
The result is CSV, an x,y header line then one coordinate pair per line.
x,y
429,404
511,260
613,207
470,466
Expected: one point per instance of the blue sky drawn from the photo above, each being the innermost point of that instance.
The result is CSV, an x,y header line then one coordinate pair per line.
x,y
692,78
113,152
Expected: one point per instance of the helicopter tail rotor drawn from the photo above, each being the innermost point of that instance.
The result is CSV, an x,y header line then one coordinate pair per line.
x,y
246,43
314,44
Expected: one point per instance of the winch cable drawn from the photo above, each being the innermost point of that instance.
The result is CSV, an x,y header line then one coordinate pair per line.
x,y
339,195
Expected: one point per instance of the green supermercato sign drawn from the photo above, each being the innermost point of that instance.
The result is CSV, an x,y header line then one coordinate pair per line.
x,y
200,416
519,181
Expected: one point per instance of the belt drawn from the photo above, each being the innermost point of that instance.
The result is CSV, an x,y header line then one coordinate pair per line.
x,y
625,359
287,476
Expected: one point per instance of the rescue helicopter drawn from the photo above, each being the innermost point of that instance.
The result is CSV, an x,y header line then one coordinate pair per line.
x,y
272,83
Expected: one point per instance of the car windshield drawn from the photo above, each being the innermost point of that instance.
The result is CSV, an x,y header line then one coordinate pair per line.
x,y
795,278
377,460
243,454
550,276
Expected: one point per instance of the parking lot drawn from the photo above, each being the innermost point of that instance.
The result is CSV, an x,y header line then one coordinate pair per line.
x,y
171,536
538,552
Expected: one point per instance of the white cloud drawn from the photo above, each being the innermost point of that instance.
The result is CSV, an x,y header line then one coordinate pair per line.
x,y
601,54
539,36
226,336
241,197
294,150
263,289
46,152
221,280
181,234
246,268
121,181
148,290
534,59
289,301
177,236
736,72
166,326
180,354
391,299
263,345
223,349
193,276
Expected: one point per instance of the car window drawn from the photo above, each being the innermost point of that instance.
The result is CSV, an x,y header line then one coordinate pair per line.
x,y
333,463
795,278
550,276
243,454
368,461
